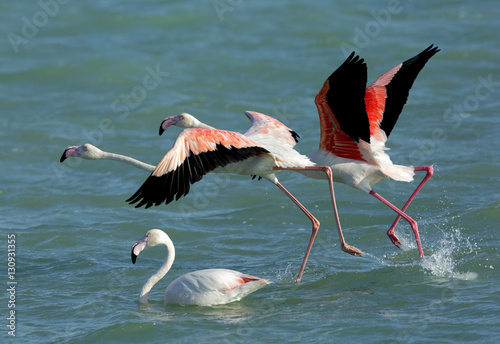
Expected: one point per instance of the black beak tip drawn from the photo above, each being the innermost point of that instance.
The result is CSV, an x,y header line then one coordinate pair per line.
x,y
161,127
134,257
63,157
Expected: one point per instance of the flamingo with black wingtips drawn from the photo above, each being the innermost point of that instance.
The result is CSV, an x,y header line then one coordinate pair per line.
x,y
355,123
266,148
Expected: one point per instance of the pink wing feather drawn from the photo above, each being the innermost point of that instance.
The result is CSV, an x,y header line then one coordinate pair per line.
x,y
263,124
195,153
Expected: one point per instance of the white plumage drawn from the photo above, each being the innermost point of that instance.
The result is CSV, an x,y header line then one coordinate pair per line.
x,y
203,288
266,148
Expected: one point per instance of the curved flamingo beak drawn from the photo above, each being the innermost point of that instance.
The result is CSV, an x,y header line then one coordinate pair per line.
x,y
137,248
167,122
70,151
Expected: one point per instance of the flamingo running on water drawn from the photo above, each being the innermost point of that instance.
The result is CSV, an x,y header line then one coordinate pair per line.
x,y
90,152
355,123
203,287
266,148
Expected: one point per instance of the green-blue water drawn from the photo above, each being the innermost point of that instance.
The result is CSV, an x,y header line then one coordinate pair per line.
x,y
107,72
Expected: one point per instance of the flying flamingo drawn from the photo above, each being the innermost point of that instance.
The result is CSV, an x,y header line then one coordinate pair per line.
x,y
90,152
203,287
266,148
355,123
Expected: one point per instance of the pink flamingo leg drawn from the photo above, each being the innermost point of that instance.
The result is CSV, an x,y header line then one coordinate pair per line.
x,y
429,172
411,221
315,227
345,247
343,244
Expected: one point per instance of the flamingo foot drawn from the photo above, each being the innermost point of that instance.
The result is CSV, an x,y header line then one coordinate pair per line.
x,y
351,250
394,238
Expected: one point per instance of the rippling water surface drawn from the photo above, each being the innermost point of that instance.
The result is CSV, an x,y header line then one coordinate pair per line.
x,y
107,73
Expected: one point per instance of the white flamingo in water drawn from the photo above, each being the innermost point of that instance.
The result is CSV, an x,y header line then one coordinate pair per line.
x,y
203,287
355,123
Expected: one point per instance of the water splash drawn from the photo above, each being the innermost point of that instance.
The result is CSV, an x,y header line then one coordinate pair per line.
x,y
443,263
285,276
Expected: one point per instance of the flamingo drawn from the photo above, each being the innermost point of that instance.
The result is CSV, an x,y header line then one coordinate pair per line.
x,y
266,148
203,287
355,123
90,152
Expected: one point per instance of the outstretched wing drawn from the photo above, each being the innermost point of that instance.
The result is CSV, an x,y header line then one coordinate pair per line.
x,y
386,97
195,153
263,124
341,109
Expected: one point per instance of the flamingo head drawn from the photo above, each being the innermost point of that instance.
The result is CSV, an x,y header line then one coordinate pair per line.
x,y
184,120
152,238
86,151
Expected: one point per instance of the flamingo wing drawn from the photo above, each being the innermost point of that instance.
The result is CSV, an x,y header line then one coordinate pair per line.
x,y
195,153
341,108
386,97
263,124
212,287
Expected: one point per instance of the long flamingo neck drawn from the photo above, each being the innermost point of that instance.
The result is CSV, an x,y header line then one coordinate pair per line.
x,y
128,160
197,124
161,272
205,126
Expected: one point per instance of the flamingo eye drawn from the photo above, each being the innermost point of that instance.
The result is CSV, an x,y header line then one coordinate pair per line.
x,y
148,235
181,118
